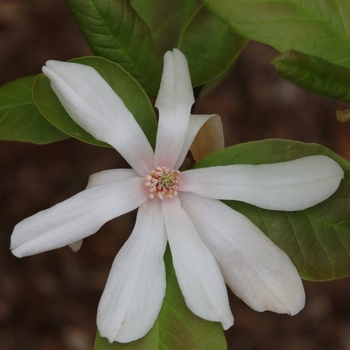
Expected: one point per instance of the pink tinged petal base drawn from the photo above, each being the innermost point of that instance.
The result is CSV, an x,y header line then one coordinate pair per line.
x,y
174,102
195,123
197,272
77,217
136,285
293,185
93,104
255,269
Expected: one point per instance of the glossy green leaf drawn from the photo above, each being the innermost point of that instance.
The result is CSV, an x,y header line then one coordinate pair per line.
x,y
210,46
176,327
20,120
166,19
315,74
316,239
115,31
320,28
121,82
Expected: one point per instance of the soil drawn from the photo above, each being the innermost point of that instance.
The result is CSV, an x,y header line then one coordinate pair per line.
x,y
48,301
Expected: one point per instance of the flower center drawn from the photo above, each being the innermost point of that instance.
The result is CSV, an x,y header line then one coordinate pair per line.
x,y
163,182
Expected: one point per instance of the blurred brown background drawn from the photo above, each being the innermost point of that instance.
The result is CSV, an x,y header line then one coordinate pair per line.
x,y
48,301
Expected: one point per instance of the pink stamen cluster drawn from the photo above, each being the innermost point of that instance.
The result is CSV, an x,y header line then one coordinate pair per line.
x,y
163,182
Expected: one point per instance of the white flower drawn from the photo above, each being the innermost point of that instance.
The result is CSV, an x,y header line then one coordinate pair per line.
x,y
210,243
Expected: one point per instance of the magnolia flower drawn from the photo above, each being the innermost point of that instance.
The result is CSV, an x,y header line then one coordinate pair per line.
x,y
210,243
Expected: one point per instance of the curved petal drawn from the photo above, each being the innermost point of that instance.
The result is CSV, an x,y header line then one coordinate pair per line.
x,y
197,272
93,104
174,102
195,122
255,269
135,289
293,185
210,139
77,217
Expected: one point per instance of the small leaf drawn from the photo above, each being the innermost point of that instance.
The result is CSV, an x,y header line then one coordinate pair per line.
x,y
115,31
210,46
165,19
316,239
20,120
121,82
314,74
320,28
176,327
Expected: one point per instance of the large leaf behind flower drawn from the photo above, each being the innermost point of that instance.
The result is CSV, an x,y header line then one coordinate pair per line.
x,y
210,46
320,28
114,30
121,82
316,239
166,19
176,327
315,74
20,119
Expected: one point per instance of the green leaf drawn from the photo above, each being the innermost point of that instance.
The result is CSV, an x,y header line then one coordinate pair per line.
x,y
166,19
121,82
115,31
176,327
209,45
316,239
315,74
320,28
20,120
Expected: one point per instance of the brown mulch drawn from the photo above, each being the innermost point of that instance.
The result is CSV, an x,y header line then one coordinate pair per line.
x,y
48,301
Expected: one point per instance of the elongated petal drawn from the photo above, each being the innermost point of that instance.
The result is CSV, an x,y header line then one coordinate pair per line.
x,y
174,102
103,178
77,217
135,289
197,272
92,103
195,123
109,176
255,269
293,185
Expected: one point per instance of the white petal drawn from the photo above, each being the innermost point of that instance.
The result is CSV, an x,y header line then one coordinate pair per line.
x,y
93,104
195,123
77,217
109,176
197,272
255,269
174,102
293,185
135,289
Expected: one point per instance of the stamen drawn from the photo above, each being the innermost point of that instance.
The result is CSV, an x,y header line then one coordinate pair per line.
x,y
163,182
